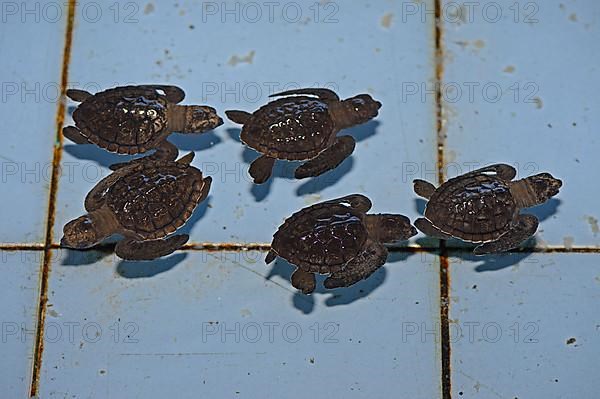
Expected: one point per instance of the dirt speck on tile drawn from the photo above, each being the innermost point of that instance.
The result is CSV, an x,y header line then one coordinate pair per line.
x,y
312,360
53,313
386,20
573,17
571,341
149,8
593,222
246,59
509,69
479,44
539,104
568,242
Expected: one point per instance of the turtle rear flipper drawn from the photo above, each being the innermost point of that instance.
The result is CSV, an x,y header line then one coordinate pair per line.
x,y
525,227
362,266
166,151
241,117
270,257
428,228
261,169
132,249
423,188
78,95
328,159
304,281
75,135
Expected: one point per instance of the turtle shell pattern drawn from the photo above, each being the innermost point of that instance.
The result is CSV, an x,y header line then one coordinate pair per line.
x,y
127,119
292,128
156,198
321,238
476,208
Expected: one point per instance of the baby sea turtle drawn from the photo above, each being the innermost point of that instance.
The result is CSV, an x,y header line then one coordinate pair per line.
x,y
136,119
143,201
337,237
483,207
303,128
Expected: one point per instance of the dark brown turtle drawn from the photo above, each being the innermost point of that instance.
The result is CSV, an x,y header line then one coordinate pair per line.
x,y
136,119
483,207
337,237
303,128
144,201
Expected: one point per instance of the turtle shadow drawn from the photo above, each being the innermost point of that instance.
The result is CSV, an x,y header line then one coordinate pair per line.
x,y
362,132
326,180
492,262
195,141
545,210
86,257
147,269
337,296
91,152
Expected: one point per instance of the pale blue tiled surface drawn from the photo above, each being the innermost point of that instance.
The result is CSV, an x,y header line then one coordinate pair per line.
x,y
552,60
512,321
354,55
387,332
177,314
30,87
19,293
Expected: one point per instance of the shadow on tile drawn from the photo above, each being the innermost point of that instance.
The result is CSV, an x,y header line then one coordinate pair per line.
x,y
337,296
128,269
545,210
194,141
492,263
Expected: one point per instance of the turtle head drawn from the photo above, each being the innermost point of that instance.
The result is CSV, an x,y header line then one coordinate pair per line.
x,y
82,233
358,109
544,186
200,118
388,228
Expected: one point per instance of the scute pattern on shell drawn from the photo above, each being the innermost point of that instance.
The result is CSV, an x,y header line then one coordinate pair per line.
x,y
475,208
155,199
127,120
293,128
323,237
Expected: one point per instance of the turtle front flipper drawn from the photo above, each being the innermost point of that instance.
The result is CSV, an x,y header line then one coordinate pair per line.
x,y
428,228
503,171
166,151
78,95
173,93
362,266
241,117
323,94
328,159
423,188
261,169
304,281
75,135
525,227
132,249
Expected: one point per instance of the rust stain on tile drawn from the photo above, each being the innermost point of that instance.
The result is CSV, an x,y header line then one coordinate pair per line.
x,y
57,154
386,20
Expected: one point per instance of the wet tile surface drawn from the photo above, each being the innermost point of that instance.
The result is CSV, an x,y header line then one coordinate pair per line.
x,y
30,89
512,98
19,290
525,326
230,325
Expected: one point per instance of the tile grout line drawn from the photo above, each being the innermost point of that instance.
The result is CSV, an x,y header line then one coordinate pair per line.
x,y
253,246
57,155
446,376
